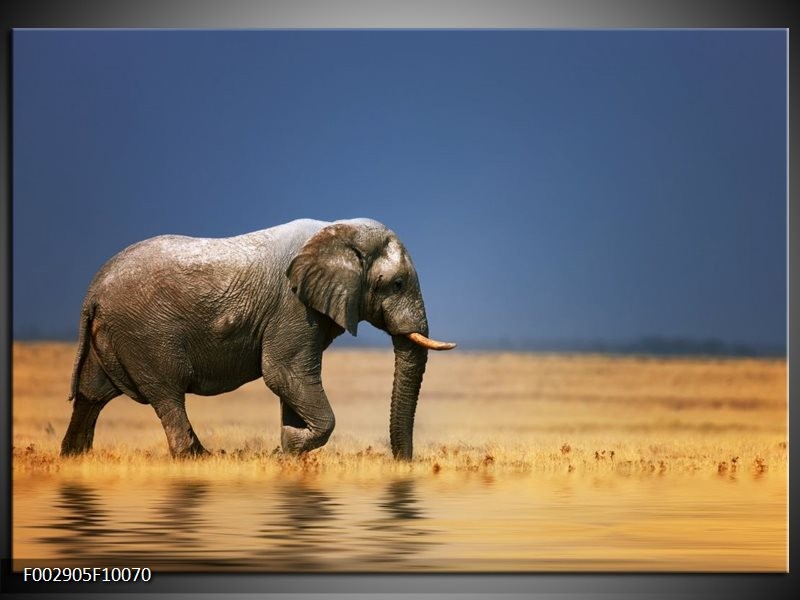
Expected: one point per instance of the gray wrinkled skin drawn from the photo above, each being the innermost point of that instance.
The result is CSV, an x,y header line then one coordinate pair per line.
x,y
173,315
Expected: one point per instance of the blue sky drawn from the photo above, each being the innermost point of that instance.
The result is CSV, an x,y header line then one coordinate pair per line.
x,y
549,185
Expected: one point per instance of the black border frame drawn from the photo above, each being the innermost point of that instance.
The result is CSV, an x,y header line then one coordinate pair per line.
x,y
435,14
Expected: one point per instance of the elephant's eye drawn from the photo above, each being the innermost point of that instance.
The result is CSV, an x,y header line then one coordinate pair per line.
x,y
397,285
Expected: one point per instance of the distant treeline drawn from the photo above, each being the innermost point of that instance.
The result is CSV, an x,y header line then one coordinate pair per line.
x,y
655,345
709,347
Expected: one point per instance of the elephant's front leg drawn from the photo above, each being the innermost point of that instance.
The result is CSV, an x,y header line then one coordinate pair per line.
x,y
307,419
300,434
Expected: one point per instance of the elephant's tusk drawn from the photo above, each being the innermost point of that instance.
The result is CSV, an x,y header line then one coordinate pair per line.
x,y
420,339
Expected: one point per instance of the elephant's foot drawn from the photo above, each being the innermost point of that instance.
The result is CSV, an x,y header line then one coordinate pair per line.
x,y
297,441
75,448
77,441
293,439
182,440
298,435
184,444
196,450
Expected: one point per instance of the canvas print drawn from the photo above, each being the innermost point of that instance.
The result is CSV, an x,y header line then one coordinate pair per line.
x,y
399,301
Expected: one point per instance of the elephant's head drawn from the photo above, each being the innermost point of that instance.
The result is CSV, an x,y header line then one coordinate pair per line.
x,y
359,270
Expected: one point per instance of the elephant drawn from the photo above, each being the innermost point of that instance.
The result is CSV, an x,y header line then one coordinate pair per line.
x,y
173,315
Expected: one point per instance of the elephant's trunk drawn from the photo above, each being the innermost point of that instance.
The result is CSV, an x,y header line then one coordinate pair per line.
x,y
409,366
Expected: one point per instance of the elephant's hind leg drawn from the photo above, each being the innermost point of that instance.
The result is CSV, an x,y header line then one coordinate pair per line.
x,y
183,442
95,390
80,433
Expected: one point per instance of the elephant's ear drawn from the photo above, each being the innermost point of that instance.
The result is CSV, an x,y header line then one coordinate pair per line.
x,y
328,275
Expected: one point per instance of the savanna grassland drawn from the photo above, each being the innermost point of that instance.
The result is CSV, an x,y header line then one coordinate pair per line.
x,y
605,459
508,411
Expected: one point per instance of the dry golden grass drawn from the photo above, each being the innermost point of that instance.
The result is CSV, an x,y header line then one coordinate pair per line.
x,y
523,462
477,412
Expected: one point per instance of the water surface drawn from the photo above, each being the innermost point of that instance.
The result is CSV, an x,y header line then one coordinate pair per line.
x,y
433,522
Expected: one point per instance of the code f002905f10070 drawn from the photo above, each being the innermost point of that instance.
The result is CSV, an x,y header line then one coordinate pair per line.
x,y
86,574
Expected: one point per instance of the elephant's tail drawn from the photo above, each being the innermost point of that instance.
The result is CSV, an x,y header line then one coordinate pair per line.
x,y
87,314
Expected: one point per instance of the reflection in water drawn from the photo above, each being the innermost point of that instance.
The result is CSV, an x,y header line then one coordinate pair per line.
x,y
80,517
80,525
179,524
172,533
395,535
400,502
299,531
177,527
414,523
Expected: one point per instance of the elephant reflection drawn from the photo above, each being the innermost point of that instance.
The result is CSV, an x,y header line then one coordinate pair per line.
x,y
310,531
303,528
87,528
397,534
300,531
